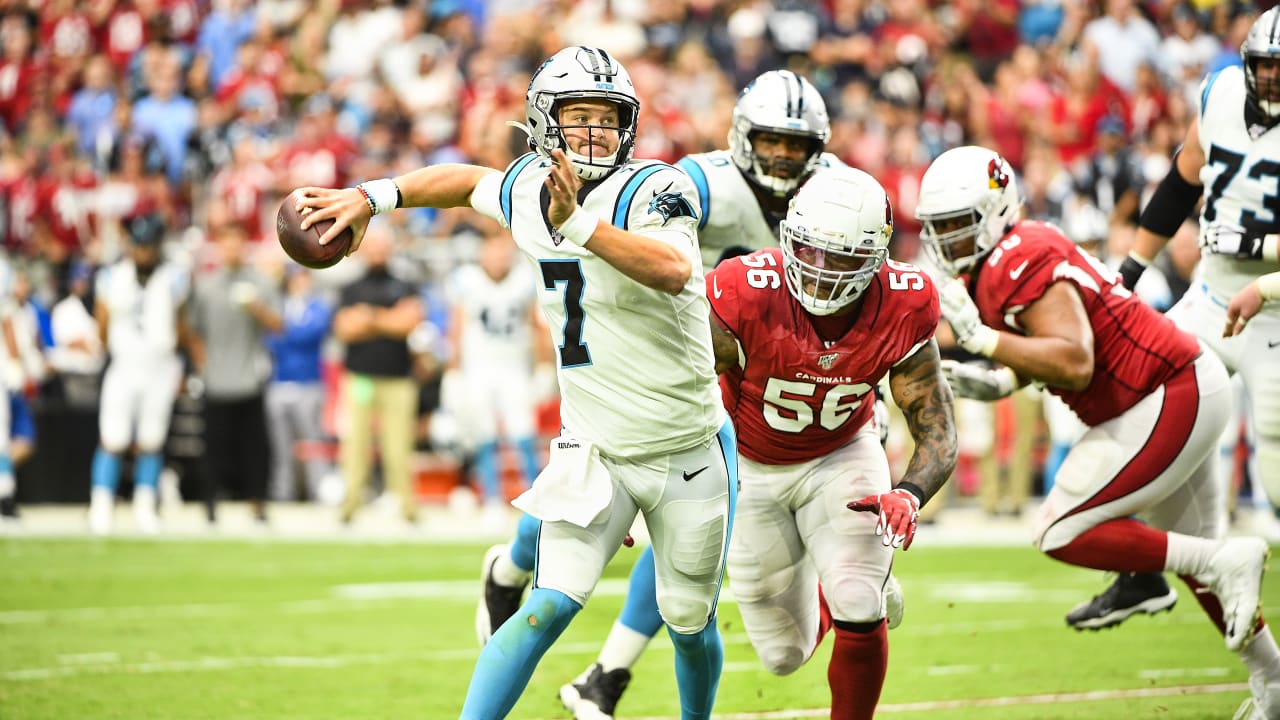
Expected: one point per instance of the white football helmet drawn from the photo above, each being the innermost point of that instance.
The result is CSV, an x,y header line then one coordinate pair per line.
x,y
577,73
835,237
778,101
970,183
1263,41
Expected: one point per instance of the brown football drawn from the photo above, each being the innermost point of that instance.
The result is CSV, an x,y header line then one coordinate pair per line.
x,y
304,245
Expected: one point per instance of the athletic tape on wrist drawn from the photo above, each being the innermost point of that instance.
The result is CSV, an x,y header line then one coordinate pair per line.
x,y
1269,285
580,226
384,194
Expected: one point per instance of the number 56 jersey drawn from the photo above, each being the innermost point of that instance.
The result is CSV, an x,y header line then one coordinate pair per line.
x,y
793,396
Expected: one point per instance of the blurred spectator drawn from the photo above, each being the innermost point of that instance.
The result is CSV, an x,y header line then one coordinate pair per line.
x,y
229,25
1112,179
295,397
989,31
92,112
167,116
232,310
1123,39
375,316
1186,53
138,310
22,71
9,354
77,353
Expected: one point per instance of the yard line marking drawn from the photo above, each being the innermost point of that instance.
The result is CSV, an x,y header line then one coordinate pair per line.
x,y
1159,674
97,658
1007,701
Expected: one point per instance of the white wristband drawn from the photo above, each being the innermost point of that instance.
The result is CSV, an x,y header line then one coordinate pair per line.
x,y
384,194
1271,248
1269,286
1006,381
580,226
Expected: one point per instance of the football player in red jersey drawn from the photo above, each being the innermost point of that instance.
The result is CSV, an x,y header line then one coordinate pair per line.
x,y
1155,403
802,335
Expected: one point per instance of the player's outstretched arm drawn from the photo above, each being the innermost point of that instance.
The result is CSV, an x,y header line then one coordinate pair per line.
x,y
926,401
1173,200
724,345
438,186
648,261
1249,301
927,404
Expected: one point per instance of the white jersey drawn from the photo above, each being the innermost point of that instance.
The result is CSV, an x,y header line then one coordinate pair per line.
x,y
142,321
636,369
730,213
1241,177
496,333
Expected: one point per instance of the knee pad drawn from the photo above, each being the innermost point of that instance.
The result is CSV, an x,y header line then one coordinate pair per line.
x,y
855,599
781,659
683,612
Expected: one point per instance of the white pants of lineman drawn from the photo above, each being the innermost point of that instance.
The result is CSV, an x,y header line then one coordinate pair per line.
x,y
792,531
1158,461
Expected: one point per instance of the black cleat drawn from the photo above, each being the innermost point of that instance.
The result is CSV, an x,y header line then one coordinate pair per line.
x,y
1130,593
595,694
499,602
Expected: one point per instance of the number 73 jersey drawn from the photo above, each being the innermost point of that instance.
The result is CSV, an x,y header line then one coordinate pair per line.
x,y
793,396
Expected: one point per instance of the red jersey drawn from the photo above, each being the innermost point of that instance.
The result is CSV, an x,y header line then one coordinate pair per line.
x,y
1135,348
796,397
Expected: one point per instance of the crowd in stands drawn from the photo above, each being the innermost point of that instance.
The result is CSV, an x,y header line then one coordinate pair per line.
x,y
206,112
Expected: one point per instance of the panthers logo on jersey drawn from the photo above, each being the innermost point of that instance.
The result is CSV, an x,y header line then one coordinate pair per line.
x,y
670,205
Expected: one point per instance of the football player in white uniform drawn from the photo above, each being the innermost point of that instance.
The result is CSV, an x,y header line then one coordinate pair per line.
x,y
1231,156
613,246
495,332
776,142
11,361
138,307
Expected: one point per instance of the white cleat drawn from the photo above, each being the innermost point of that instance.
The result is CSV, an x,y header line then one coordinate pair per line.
x,y
144,510
893,603
1235,576
102,508
1263,702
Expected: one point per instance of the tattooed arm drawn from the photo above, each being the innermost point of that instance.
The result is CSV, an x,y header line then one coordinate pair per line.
x,y
725,346
925,399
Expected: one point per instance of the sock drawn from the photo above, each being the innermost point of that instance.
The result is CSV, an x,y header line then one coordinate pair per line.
x,y
507,662
486,467
529,454
524,547
8,486
146,470
856,673
106,470
1261,656
1123,545
508,574
1188,555
699,660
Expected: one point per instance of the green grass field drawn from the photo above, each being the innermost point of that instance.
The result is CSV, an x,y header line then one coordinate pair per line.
x,y
229,629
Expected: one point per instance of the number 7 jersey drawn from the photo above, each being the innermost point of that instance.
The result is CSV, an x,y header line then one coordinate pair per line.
x,y
637,373
794,397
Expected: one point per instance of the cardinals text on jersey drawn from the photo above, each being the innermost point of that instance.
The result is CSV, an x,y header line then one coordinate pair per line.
x,y
794,397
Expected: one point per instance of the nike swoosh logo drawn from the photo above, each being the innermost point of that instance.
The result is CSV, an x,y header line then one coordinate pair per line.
x,y
1273,343
691,475
715,289
1015,273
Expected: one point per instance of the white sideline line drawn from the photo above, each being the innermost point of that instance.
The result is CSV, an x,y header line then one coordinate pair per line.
x,y
1007,701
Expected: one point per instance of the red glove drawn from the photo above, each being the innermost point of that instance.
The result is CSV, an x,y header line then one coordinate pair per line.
x,y
899,510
